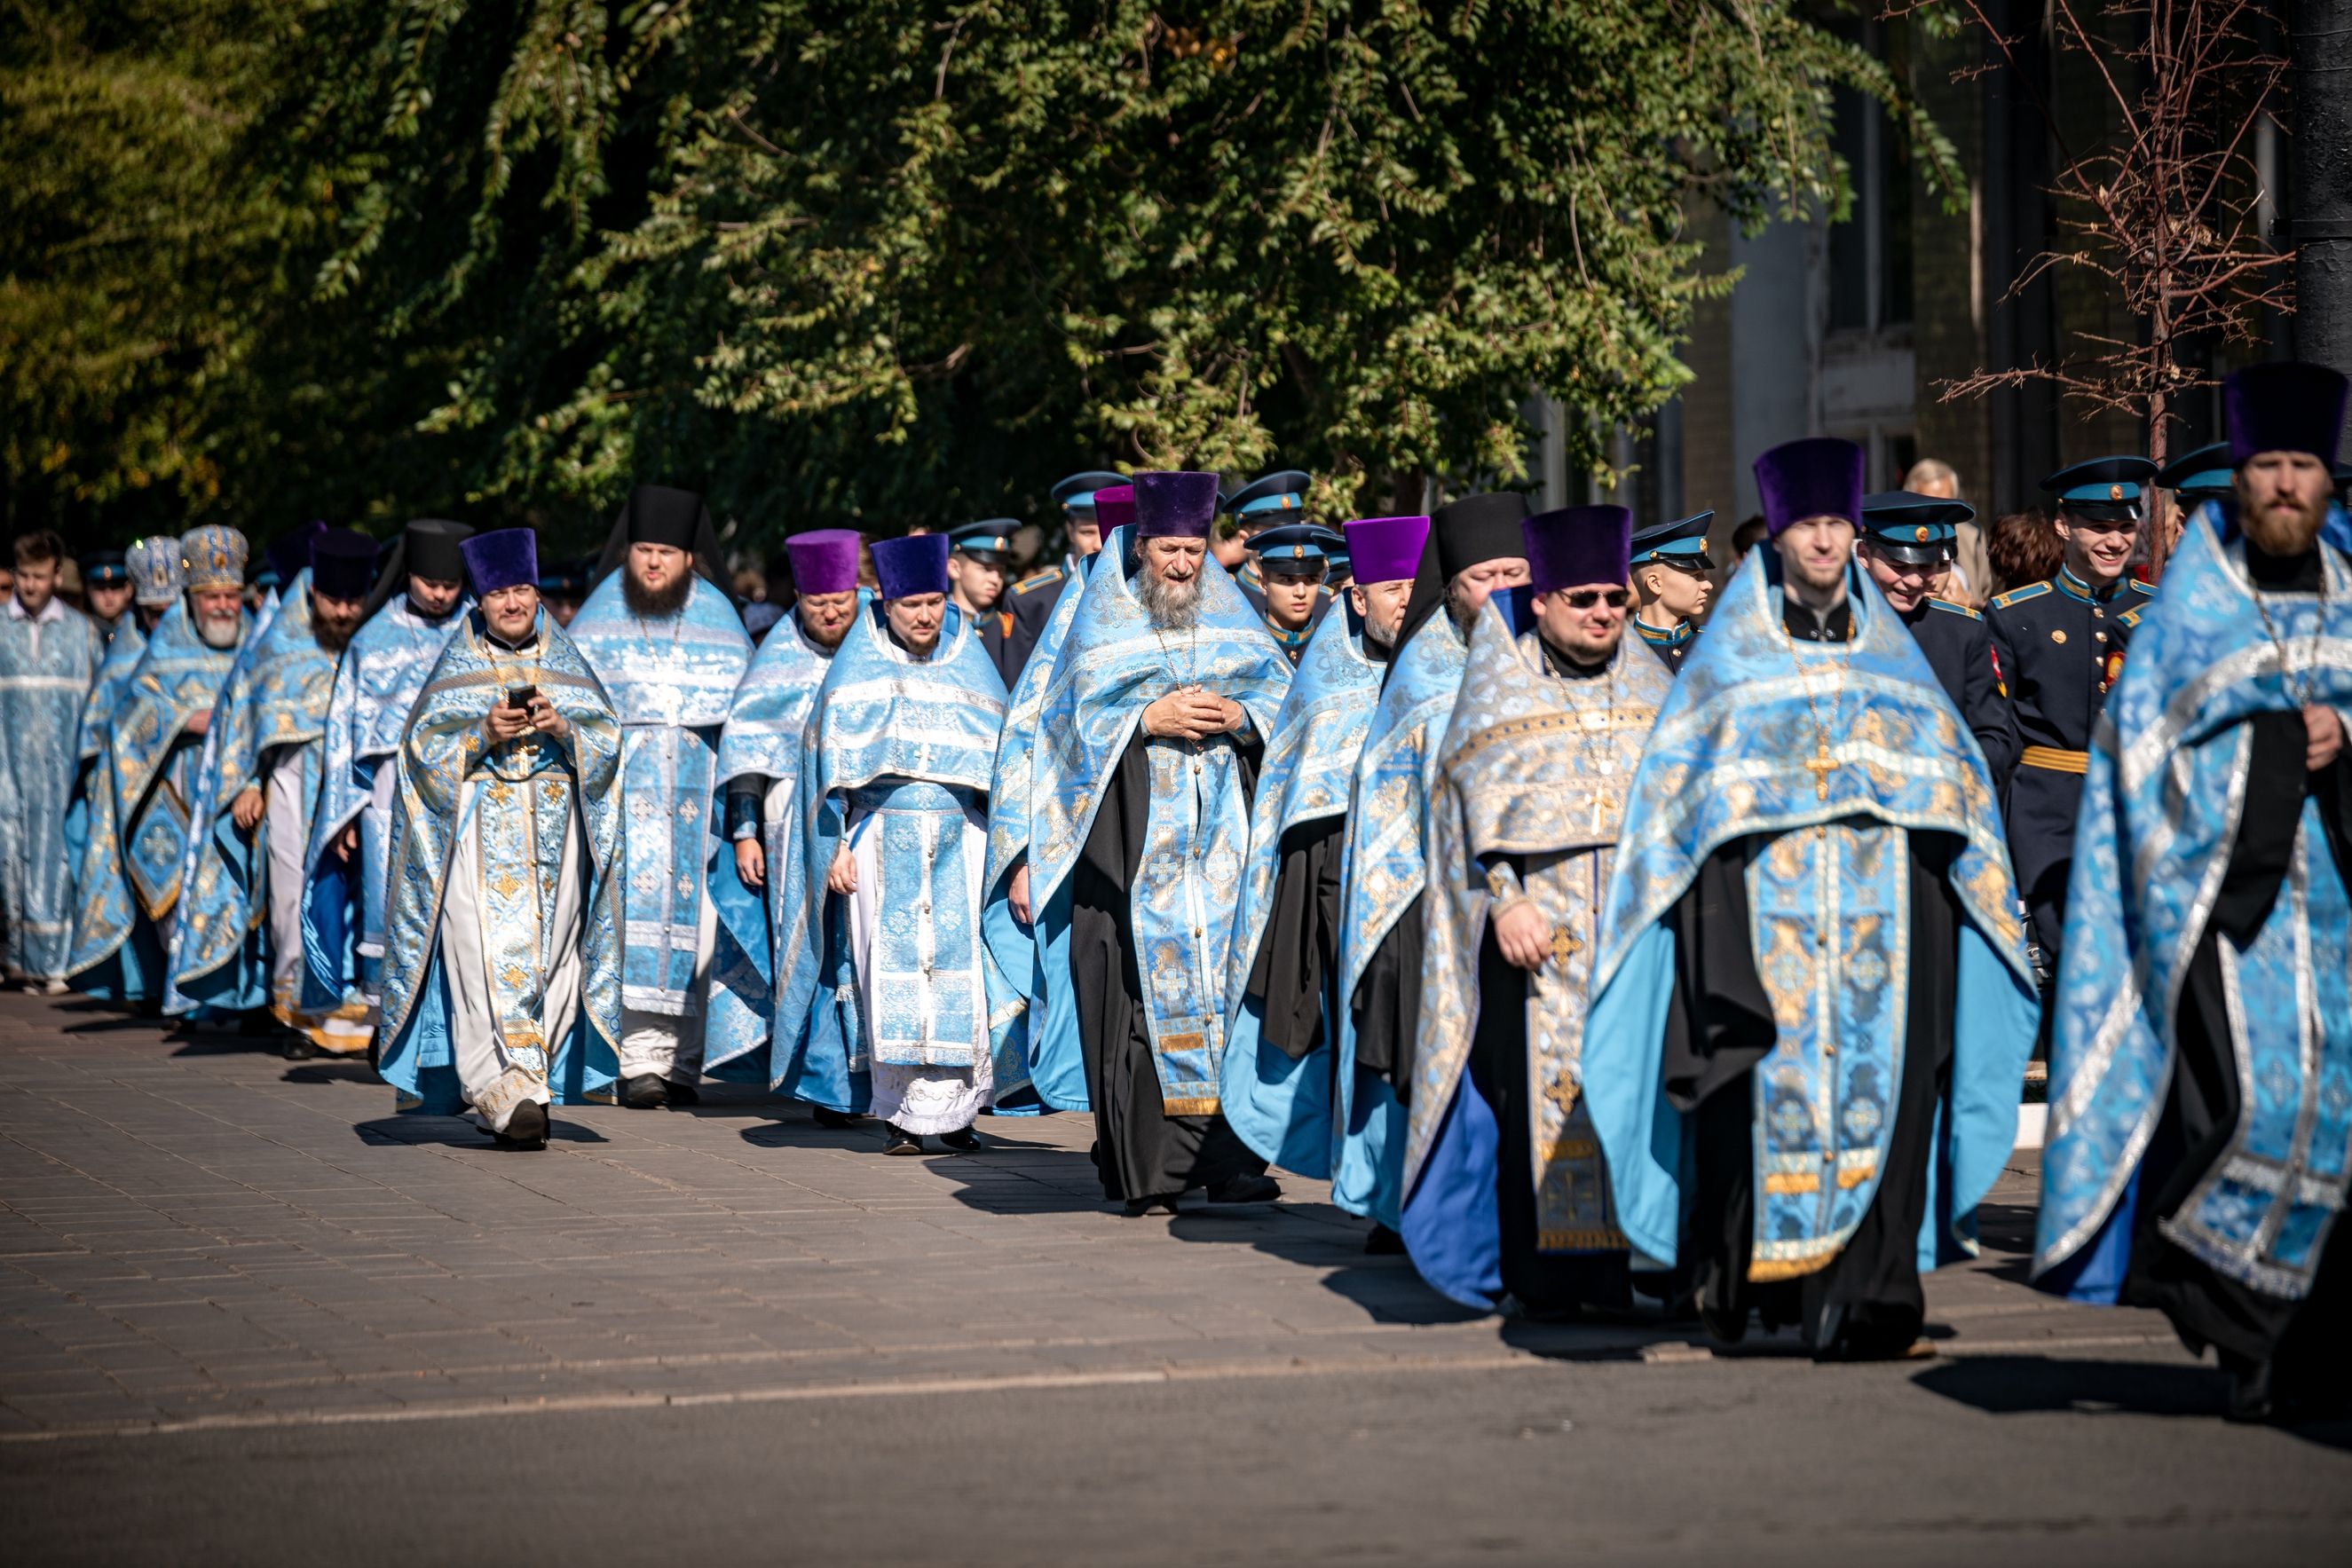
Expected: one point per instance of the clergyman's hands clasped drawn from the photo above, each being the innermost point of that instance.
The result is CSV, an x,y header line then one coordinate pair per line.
x,y
1191,714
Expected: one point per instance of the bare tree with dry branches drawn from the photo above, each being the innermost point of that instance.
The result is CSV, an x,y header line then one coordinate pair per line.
x,y
2163,207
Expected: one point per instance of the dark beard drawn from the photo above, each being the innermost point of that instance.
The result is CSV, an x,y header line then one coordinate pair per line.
x,y
332,639
648,604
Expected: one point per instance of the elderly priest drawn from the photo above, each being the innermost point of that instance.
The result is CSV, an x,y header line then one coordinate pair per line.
x,y
1811,1005
1153,727
501,979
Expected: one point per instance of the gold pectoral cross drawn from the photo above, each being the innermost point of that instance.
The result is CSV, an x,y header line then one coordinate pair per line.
x,y
1820,765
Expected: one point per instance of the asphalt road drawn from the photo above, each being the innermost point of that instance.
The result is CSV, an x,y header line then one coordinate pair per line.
x,y
246,1316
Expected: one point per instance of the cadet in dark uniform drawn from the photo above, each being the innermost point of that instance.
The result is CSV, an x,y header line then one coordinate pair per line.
x,y
1293,559
2058,646
1262,503
1907,542
1669,569
562,585
1030,601
106,592
977,556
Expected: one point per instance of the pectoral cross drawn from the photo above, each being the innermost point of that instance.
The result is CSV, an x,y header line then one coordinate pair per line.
x,y
1820,765
1602,801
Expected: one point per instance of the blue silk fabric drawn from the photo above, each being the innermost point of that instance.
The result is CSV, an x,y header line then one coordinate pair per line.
x,y
41,695
2162,802
275,700
139,817
520,813
1111,665
761,740
914,743
1737,753
121,657
1381,874
1534,770
1282,1108
1019,967
670,682
375,686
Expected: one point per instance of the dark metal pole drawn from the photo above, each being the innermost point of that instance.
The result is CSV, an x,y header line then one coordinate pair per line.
x,y
2320,191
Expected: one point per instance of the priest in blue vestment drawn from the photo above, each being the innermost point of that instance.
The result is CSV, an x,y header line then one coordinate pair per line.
x,y
415,604
1506,1196
759,768
1152,727
1020,965
1811,1007
1475,548
2201,1068
502,951
49,656
1280,1048
240,945
128,887
661,633
884,882
153,566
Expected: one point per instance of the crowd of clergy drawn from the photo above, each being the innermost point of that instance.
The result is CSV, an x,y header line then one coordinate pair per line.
x,y
1691,974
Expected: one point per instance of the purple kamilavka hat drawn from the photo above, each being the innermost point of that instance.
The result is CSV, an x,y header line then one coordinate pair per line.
x,y
825,560
1578,547
1385,550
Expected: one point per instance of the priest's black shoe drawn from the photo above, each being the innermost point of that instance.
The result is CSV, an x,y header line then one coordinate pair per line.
x,y
684,1093
963,1140
526,1128
2249,1389
300,1048
1163,1202
837,1120
897,1140
645,1091
1258,1188
1383,1243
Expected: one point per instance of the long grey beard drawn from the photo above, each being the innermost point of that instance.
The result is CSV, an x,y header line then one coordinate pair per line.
x,y
1172,606
218,633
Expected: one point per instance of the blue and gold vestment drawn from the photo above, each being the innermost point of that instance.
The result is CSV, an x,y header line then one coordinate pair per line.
x,y
139,815
1112,664
522,800
1380,880
910,743
1279,1106
46,671
1530,788
275,700
670,682
375,685
2166,805
761,740
1828,756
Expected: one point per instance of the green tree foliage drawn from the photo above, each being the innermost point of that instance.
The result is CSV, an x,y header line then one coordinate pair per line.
x,y
909,260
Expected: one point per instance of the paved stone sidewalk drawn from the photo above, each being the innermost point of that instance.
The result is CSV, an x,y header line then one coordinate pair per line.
x,y
197,1234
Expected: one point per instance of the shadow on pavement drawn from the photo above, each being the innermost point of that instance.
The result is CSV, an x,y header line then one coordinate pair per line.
x,y
354,1071
455,1132
2026,1384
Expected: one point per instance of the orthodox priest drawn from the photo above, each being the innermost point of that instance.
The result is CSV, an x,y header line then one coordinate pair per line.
x,y
759,768
502,952
892,836
49,656
153,565
1811,1004
662,636
417,602
1154,724
1507,1195
240,945
1278,1047
2200,1071
1023,963
129,886
1475,548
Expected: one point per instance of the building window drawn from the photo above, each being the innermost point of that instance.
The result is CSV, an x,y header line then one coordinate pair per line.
x,y
1869,253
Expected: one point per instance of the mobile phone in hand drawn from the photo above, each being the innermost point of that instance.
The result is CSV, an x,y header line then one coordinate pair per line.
x,y
522,696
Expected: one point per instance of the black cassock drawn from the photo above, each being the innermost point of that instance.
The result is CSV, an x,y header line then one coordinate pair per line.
x,y
1387,1004
1299,952
1141,1151
2200,1112
1718,1027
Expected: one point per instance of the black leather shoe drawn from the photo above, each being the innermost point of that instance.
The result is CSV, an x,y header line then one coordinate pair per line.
x,y
1165,1203
831,1119
2249,1389
684,1093
526,1128
645,1091
1383,1243
963,1140
1246,1189
300,1048
898,1141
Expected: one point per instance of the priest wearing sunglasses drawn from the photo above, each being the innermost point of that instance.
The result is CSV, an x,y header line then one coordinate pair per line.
x,y
1506,1202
